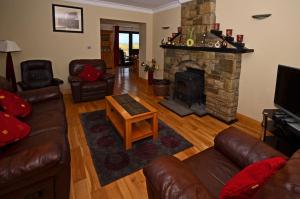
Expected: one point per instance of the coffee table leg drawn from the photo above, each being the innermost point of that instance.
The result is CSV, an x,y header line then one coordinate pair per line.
x,y
128,131
155,126
107,109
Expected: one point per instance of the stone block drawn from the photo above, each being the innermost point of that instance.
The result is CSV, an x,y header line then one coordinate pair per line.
x,y
227,65
208,19
230,85
207,8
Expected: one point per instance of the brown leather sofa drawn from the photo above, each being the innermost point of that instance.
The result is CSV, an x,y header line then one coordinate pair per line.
x,y
38,167
203,175
86,91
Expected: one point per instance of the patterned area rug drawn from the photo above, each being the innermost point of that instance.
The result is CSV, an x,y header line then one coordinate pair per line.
x,y
111,160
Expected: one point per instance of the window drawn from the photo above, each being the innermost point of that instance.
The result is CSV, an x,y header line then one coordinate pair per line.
x,y
129,42
124,42
135,41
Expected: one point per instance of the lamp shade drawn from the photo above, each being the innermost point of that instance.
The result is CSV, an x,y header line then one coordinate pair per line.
x,y
9,46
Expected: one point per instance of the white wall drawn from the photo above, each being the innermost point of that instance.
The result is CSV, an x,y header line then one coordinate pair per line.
x,y
29,23
171,18
275,41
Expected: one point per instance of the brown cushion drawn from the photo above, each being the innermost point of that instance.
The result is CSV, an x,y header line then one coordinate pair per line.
x,y
41,123
90,86
39,152
49,105
212,169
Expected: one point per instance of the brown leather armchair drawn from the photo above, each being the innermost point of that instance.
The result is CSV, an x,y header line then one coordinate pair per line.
x,y
37,74
85,91
204,174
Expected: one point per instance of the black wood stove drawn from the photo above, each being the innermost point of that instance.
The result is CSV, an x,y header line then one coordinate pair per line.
x,y
189,86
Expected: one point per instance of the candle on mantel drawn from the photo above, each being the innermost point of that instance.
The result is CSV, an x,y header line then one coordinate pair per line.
x,y
179,29
240,38
229,32
216,26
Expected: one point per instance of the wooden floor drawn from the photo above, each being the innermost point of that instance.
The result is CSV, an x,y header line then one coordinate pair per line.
x,y
199,131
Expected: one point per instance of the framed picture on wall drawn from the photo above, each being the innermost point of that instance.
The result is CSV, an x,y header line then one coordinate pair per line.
x,y
67,18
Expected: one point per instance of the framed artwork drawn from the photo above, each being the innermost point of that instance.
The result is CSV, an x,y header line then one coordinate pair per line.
x,y
67,18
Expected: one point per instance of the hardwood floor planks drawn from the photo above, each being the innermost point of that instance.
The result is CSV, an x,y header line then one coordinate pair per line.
x,y
199,131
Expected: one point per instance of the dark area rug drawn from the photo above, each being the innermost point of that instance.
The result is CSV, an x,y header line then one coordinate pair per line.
x,y
110,158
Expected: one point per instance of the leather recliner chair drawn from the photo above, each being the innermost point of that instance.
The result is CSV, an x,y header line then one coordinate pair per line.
x,y
84,90
37,74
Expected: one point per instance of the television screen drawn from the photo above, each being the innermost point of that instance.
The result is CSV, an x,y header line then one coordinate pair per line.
x,y
287,93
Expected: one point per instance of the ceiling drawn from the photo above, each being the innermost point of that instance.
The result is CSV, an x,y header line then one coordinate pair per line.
x,y
148,4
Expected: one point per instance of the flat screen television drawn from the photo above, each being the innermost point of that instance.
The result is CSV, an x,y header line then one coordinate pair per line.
x,y
287,93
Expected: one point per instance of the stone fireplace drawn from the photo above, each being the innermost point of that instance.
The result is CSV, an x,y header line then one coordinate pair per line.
x,y
222,69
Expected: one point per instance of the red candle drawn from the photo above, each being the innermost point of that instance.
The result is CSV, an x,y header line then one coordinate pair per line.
x,y
216,26
240,38
179,29
229,32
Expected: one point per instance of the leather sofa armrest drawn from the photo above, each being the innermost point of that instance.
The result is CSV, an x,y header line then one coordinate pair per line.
x,y
57,81
41,94
23,86
242,148
168,178
74,79
110,81
107,76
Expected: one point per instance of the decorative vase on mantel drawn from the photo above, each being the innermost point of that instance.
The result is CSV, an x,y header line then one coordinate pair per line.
x,y
150,77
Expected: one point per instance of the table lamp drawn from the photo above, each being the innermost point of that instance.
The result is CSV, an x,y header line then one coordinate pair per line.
x,y
8,46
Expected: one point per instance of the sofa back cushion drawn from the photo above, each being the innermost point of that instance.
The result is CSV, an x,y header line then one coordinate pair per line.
x,y
76,66
37,73
248,181
284,184
242,148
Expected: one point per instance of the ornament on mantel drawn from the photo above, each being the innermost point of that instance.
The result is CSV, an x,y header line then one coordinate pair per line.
x,y
190,41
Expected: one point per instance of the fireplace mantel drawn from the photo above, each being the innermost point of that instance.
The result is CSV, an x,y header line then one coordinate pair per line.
x,y
208,49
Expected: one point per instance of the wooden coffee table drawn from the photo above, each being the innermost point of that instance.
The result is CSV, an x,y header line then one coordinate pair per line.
x,y
132,127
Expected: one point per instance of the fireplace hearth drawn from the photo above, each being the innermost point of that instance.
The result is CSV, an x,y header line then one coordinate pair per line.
x,y
189,86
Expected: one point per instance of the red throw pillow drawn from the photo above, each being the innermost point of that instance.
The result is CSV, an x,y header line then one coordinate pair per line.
x,y
11,129
90,73
13,104
247,182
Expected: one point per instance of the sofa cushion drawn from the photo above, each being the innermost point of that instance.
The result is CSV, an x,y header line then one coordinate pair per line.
x,y
11,129
242,148
13,104
49,105
213,169
286,182
93,86
41,122
90,73
33,157
248,181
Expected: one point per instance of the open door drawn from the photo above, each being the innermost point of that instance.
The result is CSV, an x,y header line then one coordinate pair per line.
x,y
107,47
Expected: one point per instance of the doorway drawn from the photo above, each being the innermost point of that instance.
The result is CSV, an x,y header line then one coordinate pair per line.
x,y
121,44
